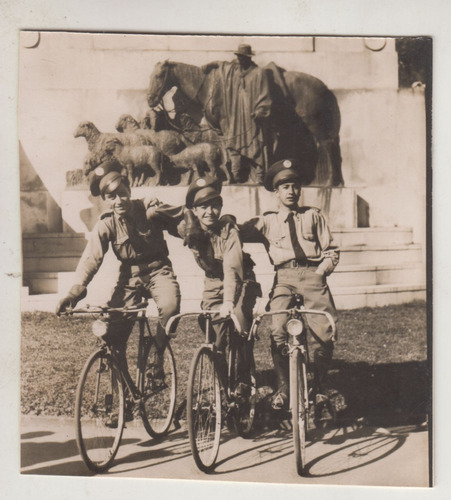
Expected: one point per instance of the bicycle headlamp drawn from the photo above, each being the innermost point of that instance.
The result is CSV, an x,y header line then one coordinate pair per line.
x,y
99,328
295,327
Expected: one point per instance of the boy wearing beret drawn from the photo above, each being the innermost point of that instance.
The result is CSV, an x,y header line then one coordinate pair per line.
x,y
138,243
300,247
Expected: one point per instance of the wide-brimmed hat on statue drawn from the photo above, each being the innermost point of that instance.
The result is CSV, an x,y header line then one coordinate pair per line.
x,y
283,171
244,49
203,190
106,178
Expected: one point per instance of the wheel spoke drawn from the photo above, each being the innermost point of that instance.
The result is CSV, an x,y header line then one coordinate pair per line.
x,y
99,412
159,388
204,409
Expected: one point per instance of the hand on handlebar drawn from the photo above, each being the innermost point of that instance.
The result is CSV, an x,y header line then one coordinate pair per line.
x,y
76,293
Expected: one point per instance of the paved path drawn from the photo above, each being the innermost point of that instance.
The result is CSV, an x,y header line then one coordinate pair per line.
x,y
347,456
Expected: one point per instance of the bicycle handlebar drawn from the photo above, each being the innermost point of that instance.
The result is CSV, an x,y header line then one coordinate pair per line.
x,y
258,317
172,319
88,309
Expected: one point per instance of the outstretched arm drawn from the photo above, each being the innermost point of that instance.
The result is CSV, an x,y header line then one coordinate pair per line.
x,y
253,230
168,217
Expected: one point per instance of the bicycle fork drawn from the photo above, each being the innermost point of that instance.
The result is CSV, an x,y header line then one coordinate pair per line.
x,y
303,360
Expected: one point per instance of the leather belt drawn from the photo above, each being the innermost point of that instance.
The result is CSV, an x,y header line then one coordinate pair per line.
x,y
145,267
291,264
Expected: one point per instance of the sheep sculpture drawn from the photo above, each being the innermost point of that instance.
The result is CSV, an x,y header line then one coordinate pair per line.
x,y
97,140
143,164
168,142
197,160
191,132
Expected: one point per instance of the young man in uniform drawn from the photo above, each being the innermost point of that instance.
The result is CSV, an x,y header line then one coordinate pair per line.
x,y
229,283
301,249
138,243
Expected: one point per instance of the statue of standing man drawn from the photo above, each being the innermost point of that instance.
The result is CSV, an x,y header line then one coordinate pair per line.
x,y
247,107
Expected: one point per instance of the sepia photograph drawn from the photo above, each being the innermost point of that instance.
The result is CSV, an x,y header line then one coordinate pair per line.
x,y
226,257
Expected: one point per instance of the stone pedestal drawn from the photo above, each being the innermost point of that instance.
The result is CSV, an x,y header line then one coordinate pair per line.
x,y
80,210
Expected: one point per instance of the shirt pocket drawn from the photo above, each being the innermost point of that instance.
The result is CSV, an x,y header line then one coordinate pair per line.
x,y
307,230
278,241
123,248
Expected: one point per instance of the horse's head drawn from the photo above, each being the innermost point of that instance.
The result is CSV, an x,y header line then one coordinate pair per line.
x,y
160,83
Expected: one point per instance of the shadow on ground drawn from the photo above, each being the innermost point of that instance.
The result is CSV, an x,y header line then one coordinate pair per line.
x,y
384,394
376,395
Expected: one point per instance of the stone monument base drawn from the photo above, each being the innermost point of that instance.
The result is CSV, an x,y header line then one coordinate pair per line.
x,y
80,210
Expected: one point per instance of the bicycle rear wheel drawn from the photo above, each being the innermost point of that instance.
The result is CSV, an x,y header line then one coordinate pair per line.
x,y
159,387
244,402
299,409
203,409
99,411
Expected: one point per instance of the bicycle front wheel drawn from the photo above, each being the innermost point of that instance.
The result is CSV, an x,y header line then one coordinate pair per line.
x,y
203,409
299,409
99,411
158,387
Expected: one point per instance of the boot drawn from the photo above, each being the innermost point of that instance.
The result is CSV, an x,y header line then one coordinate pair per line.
x,y
322,359
324,414
280,360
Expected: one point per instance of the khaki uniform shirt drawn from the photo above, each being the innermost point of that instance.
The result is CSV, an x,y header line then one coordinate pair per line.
x,y
227,262
134,240
221,257
312,232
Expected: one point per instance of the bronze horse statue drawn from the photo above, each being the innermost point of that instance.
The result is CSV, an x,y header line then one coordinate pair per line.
x,y
305,117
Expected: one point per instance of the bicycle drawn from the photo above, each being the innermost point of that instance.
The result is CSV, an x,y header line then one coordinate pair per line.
x,y
104,389
297,350
211,396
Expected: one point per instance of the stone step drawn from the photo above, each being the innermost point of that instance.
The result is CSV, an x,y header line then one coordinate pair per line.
x,y
371,275
190,277
42,282
352,255
381,255
372,236
43,244
54,263
73,244
377,296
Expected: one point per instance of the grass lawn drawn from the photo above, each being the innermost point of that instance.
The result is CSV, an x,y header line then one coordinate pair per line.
x,y
380,361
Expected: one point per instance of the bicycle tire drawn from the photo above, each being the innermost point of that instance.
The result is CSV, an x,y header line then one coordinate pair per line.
x,y
244,407
299,409
99,411
159,388
203,409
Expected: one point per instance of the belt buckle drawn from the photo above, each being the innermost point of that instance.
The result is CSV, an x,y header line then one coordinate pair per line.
x,y
294,263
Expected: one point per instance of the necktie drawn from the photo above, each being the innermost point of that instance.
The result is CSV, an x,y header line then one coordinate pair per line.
x,y
298,252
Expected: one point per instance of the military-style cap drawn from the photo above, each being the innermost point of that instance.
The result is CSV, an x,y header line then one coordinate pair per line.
x,y
282,171
202,190
105,178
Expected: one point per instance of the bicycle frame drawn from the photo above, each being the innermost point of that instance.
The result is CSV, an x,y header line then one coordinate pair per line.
x,y
298,365
145,334
209,323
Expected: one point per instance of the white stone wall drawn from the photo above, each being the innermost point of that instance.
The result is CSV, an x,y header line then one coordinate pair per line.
x,y
67,78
